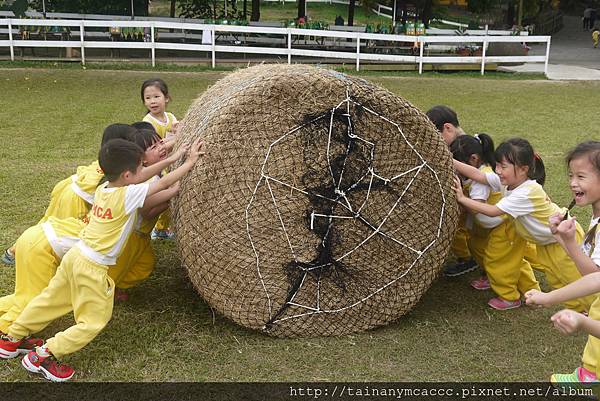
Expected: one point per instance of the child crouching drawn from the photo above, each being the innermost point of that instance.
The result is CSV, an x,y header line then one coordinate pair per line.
x,y
82,283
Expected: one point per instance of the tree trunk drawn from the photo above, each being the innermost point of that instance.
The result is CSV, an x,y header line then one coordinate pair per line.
x,y
255,10
427,10
173,7
510,14
245,9
351,12
404,12
301,9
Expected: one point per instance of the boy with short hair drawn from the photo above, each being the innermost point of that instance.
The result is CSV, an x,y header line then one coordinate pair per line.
x,y
81,283
446,121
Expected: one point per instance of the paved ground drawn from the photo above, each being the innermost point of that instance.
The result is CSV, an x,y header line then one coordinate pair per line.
x,y
572,54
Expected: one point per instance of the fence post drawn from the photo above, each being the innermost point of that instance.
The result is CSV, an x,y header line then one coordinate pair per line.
x,y
153,50
483,49
547,57
81,35
213,39
10,40
420,39
289,38
357,51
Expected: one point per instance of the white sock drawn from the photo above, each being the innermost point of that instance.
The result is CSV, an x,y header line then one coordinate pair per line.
x,y
42,351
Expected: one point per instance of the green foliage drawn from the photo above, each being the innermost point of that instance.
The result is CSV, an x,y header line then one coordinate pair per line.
x,y
115,7
481,6
18,7
531,7
196,9
210,9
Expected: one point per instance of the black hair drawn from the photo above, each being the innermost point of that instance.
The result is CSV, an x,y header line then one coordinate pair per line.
x,y
145,138
591,149
519,152
143,125
481,145
117,131
159,83
117,156
440,115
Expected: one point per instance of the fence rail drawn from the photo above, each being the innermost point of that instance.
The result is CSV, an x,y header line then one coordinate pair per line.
x,y
357,46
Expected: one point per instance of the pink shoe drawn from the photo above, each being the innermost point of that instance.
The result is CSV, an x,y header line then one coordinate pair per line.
x,y
482,283
502,304
121,295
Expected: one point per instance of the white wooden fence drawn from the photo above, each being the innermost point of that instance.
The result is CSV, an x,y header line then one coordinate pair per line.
x,y
240,39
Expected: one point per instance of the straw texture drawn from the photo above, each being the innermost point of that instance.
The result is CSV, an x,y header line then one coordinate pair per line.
x,y
322,207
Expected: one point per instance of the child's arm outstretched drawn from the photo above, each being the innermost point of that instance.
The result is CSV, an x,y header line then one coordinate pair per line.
x,y
169,143
159,202
471,172
564,232
473,205
568,321
156,168
586,285
195,151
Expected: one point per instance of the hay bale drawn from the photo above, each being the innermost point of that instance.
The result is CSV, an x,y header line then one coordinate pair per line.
x,y
322,207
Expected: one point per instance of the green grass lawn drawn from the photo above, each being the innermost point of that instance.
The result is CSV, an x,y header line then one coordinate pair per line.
x,y
52,122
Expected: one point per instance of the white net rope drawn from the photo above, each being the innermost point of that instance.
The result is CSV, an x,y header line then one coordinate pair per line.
x,y
340,206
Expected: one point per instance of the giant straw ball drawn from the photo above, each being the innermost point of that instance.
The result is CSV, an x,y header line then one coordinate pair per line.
x,y
323,205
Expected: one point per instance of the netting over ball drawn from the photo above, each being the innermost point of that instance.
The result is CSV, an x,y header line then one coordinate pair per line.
x,y
322,207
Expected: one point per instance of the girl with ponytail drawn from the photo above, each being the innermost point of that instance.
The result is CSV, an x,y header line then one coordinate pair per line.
x,y
493,241
521,171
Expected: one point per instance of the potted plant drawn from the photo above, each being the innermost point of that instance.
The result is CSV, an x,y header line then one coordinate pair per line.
x,y
463,51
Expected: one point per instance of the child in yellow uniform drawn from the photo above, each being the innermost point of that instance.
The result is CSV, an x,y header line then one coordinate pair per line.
x,y
568,321
81,283
584,177
493,240
446,121
39,252
73,196
136,262
43,246
155,95
525,200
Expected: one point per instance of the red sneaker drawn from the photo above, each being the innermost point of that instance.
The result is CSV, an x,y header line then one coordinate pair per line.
x,y
11,349
502,304
482,283
48,366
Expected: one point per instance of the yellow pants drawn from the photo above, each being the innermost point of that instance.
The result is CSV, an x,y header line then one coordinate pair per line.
x,y
477,240
35,265
459,246
164,220
531,256
591,352
79,285
65,203
560,270
510,275
135,264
